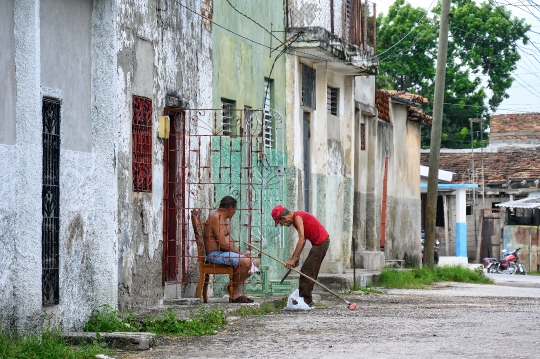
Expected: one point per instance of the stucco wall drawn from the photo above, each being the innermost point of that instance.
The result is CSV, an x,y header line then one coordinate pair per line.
x,y
7,159
65,31
332,155
7,75
399,141
26,169
54,58
364,92
159,53
240,68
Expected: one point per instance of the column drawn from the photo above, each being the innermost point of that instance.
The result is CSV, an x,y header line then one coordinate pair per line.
x,y
461,223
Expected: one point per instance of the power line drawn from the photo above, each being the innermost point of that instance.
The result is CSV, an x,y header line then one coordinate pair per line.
x,y
258,24
306,54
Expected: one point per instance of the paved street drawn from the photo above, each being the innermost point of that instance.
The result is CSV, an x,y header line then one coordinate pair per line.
x,y
449,320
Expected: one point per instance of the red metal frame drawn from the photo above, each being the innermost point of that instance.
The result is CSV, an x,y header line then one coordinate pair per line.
x,y
142,144
195,139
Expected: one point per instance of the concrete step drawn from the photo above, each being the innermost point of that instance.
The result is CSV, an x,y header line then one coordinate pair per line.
x,y
115,340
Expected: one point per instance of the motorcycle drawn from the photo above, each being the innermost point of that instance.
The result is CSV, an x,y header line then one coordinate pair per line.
x,y
510,264
435,250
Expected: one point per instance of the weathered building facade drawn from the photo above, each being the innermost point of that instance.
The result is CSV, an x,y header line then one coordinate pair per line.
x,y
388,193
82,172
506,170
328,52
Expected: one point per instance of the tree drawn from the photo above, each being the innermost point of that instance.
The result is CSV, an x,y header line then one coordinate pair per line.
x,y
482,54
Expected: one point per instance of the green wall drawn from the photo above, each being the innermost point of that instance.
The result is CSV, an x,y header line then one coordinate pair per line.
x,y
240,68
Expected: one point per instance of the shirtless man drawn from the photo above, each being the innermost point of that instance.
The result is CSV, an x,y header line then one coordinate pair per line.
x,y
220,247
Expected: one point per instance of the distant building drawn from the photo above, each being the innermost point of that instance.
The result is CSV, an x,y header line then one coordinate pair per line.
x,y
508,169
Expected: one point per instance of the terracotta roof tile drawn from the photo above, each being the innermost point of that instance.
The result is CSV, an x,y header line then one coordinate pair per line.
x,y
499,167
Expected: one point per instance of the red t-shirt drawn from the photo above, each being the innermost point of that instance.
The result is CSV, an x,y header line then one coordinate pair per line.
x,y
313,229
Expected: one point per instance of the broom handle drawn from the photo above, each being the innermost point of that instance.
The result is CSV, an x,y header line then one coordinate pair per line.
x,y
297,271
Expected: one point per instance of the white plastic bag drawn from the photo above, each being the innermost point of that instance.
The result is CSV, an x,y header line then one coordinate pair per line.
x,y
296,302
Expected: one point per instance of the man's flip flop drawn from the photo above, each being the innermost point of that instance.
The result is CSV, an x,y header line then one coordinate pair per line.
x,y
241,299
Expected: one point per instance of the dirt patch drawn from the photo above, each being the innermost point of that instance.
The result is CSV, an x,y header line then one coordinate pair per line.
x,y
404,324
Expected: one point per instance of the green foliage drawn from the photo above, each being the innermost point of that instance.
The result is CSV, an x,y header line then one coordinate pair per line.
x,y
483,44
421,278
204,322
107,319
49,344
265,308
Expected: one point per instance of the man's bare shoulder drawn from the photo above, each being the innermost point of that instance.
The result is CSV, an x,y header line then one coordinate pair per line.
x,y
214,216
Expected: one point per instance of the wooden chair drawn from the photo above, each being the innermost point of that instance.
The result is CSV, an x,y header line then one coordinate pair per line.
x,y
205,269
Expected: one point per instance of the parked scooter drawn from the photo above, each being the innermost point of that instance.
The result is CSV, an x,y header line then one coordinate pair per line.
x,y
510,264
435,250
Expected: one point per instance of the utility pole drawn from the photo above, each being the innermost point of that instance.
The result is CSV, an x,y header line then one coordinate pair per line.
x,y
477,238
436,129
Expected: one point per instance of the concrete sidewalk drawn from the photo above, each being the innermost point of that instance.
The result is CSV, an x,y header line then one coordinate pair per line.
x,y
341,282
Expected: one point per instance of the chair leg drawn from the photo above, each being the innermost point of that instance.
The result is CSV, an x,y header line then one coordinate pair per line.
x,y
199,286
230,285
205,288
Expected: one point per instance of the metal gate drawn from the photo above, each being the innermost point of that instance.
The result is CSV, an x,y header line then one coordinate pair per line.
x,y
201,166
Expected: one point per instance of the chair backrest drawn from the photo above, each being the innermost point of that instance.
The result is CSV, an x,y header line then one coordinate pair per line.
x,y
198,229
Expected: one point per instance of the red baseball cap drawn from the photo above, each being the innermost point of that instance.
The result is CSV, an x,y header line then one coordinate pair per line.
x,y
277,212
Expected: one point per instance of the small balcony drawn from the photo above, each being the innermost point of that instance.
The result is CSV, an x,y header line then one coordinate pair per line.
x,y
343,30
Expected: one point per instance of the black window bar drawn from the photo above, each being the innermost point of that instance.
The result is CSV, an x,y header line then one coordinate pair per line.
x,y
227,117
332,100
50,202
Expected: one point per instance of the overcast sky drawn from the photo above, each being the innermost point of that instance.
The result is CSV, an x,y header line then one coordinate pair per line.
x,y
523,94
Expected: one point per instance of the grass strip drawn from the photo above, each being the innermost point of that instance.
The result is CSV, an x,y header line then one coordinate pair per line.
x,y
421,278
48,344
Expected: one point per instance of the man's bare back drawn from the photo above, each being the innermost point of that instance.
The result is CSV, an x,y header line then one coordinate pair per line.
x,y
217,232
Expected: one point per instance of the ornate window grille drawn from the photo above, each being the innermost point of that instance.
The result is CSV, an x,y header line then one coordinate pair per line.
x,y
308,86
50,202
142,144
332,100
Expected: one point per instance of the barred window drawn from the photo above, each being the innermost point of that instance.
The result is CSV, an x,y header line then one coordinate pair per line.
x,y
267,116
142,144
50,206
332,100
308,86
363,136
227,119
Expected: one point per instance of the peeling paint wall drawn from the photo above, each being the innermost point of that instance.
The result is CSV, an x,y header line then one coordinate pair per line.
x,y
332,155
92,55
399,141
364,93
161,52
240,68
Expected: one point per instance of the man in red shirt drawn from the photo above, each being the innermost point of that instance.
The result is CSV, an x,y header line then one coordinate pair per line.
x,y
308,227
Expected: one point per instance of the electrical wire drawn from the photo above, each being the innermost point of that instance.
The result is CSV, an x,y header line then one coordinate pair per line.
x,y
255,22
293,51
